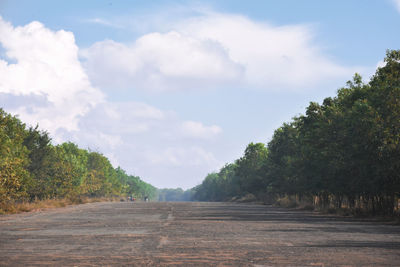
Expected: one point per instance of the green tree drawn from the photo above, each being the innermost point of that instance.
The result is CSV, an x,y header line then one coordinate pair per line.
x,y
249,168
14,176
68,171
101,179
41,154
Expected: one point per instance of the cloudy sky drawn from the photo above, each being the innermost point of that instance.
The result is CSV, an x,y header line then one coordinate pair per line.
x,y
173,90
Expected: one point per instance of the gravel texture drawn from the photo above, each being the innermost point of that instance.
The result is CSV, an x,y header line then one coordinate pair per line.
x,y
193,234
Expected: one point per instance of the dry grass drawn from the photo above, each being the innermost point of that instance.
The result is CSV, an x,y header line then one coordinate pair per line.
x,y
38,205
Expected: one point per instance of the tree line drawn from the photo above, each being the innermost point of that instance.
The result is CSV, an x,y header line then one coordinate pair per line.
x,y
32,168
342,153
174,194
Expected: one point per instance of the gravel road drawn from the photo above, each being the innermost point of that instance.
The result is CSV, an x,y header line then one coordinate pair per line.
x,y
193,234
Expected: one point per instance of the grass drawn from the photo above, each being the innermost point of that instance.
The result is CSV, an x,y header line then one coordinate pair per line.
x,y
38,205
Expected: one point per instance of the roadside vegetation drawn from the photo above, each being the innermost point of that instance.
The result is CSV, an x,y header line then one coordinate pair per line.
x,y
342,155
34,173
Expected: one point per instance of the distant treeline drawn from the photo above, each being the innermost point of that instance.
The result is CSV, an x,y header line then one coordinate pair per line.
x,y
175,194
343,153
32,168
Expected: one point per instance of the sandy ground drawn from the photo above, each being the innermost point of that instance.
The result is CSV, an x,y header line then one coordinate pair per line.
x,y
193,234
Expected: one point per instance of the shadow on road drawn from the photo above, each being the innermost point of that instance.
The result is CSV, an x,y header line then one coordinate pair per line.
x,y
359,244
259,213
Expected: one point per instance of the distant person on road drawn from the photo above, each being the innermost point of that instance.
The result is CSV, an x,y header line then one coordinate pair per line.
x,y
146,199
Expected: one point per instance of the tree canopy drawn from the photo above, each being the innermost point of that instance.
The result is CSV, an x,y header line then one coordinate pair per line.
x,y
31,167
344,152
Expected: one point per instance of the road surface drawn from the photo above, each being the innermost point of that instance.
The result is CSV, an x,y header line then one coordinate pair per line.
x,y
193,234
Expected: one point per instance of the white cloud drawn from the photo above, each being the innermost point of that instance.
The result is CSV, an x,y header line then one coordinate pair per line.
x,y
214,50
158,62
46,70
397,4
103,22
198,130
274,57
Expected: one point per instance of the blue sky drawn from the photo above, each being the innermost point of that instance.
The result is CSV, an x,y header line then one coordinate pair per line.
x,y
172,90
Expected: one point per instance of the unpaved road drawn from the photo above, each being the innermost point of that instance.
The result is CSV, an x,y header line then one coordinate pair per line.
x,y
193,234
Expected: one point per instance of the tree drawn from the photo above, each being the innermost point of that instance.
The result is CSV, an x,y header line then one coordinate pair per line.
x,y
68,171
14,176
101,179
40,150
249,168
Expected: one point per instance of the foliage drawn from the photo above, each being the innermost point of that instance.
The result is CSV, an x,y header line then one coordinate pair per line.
x,y
343,153
31,169
135,187
41,158
13,159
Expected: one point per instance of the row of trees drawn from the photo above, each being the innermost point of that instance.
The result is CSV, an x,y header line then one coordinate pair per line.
x,y
344,152
32,168
245,176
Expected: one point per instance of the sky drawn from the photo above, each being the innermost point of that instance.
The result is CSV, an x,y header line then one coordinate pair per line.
x,y
173,90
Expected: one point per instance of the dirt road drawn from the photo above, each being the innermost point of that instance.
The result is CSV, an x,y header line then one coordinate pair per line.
x,y
193,234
